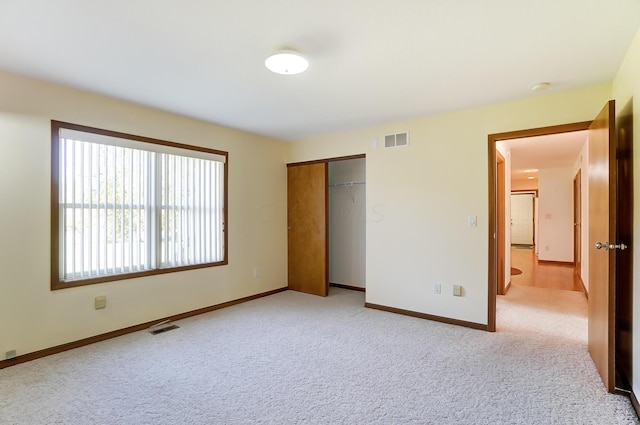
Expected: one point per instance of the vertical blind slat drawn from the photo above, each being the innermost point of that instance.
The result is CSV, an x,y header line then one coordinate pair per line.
x,y
73,209
90,212
106,210
62,211
80,235
113,211
98,215
121,205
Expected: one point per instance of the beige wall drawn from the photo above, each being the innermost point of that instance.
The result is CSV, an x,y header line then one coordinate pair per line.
x,y
626,88
419,198
520,185
32,317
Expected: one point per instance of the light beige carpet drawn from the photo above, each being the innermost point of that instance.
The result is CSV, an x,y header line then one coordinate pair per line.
x,y
293,358
527,309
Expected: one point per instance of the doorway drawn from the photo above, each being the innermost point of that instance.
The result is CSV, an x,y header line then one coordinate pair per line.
x,y
494,204
522,224
604,311
347,224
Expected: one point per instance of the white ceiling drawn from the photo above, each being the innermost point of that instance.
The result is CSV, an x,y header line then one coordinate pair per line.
x,y
371,61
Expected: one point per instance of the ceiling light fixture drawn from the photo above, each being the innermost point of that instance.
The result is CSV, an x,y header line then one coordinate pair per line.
x,y
286,62
540,86
531,178
532,170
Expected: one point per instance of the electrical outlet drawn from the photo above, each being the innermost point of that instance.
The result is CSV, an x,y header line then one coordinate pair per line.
x,y
10,354
256,272
100,302
457,290
437,288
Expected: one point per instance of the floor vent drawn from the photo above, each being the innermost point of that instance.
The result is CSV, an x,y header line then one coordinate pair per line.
x,y
161,330
396,140
162,327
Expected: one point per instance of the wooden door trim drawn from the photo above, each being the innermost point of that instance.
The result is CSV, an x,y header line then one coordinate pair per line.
x,y
577,219
523,191
491,145
327,219
327,160
501,229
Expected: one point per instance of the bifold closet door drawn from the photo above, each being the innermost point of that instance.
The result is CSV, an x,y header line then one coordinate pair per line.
x,y
307,221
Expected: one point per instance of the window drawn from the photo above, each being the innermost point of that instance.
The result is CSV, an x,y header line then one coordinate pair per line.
x,y
126,206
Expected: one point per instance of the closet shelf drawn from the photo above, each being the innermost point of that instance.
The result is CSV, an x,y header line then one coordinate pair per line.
x,y
346,184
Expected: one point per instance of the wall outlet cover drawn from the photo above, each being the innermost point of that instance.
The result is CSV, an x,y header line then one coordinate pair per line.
x,y
100,302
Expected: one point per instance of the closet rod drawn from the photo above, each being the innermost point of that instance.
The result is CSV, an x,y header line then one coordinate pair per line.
x,y
346,184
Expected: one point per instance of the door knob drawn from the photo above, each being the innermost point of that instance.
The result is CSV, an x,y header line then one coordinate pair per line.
x,y
607,246
621,246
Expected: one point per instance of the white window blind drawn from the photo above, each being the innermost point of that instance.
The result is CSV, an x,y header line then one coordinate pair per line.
x,y
127,206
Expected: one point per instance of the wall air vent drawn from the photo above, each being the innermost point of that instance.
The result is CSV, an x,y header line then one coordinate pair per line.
x,y
396,140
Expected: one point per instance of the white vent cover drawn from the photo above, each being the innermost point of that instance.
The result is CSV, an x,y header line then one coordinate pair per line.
x,y
396,140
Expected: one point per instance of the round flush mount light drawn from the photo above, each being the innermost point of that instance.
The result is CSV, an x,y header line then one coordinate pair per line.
x,y
286,62
540,86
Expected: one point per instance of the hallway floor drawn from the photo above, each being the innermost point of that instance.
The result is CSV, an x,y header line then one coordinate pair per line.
x,y
542,275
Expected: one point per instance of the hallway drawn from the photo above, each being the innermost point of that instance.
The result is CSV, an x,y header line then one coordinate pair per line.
x,y
542,275
545,299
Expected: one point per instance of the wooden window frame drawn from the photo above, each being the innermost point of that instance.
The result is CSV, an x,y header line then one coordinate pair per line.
x,y
56,282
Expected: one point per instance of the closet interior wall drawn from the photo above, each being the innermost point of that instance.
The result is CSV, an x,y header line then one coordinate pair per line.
x,y
347,222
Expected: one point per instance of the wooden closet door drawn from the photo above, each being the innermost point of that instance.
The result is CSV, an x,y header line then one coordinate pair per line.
x,y
307,228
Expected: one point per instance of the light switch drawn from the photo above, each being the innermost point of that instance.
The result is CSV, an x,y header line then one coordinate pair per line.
x,y
472,221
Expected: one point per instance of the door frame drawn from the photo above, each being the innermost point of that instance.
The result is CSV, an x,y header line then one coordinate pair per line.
x,y
501,235
577,226
493,201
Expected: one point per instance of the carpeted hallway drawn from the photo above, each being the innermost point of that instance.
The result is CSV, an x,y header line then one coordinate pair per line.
x,y
295,358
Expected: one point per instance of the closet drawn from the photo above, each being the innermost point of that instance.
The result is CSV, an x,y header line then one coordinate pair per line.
x,y
347,223
326,224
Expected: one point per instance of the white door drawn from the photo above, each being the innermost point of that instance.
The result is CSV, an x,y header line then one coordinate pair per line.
x,y
522,219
